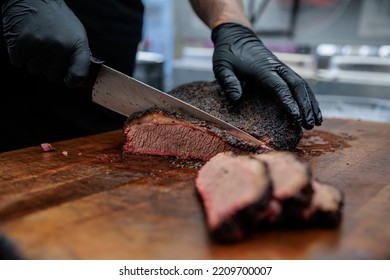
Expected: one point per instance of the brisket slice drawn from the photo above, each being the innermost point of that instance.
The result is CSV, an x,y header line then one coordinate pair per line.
x,y
291,179
325,207
257,113
234,190
157,132
229,184
290,175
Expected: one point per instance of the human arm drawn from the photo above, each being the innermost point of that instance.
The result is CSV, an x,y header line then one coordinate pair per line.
x,y
214,13
240,56
46,38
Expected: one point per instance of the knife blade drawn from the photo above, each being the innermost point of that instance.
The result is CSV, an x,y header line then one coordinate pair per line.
x,y
126,95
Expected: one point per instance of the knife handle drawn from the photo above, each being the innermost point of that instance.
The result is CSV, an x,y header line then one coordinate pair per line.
x,y
94,68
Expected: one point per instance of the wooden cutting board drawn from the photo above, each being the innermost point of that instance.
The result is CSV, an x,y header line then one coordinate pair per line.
x,y
87,201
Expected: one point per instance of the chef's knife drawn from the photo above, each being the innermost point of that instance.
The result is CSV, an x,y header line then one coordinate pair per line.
x,y
126,95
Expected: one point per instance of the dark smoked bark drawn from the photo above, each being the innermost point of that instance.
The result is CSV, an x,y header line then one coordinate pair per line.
x,y
257,113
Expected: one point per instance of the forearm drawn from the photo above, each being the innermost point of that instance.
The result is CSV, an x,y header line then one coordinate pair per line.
x,y
216,12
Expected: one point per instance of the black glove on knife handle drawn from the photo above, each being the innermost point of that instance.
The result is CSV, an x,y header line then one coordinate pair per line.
x,y
240,55
46,38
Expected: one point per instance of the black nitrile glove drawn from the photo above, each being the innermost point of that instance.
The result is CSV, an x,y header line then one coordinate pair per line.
x,y
239,55
45,37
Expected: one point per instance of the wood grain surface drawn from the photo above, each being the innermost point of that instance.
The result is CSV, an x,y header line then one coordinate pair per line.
x,y
85,200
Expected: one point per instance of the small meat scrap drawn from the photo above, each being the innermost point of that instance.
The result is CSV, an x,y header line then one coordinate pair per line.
x,y
47,147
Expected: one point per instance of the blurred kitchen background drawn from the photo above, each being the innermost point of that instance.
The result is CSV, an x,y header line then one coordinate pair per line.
x,y
341,47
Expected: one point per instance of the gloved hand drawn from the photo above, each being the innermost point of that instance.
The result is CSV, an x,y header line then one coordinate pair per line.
x,y
45,37
239,55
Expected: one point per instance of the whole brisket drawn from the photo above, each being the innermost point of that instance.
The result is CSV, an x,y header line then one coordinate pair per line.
x,y
158,132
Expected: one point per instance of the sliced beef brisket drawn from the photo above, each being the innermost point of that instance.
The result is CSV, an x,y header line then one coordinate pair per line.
x,y
325,207
291,179
234,190
228,185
